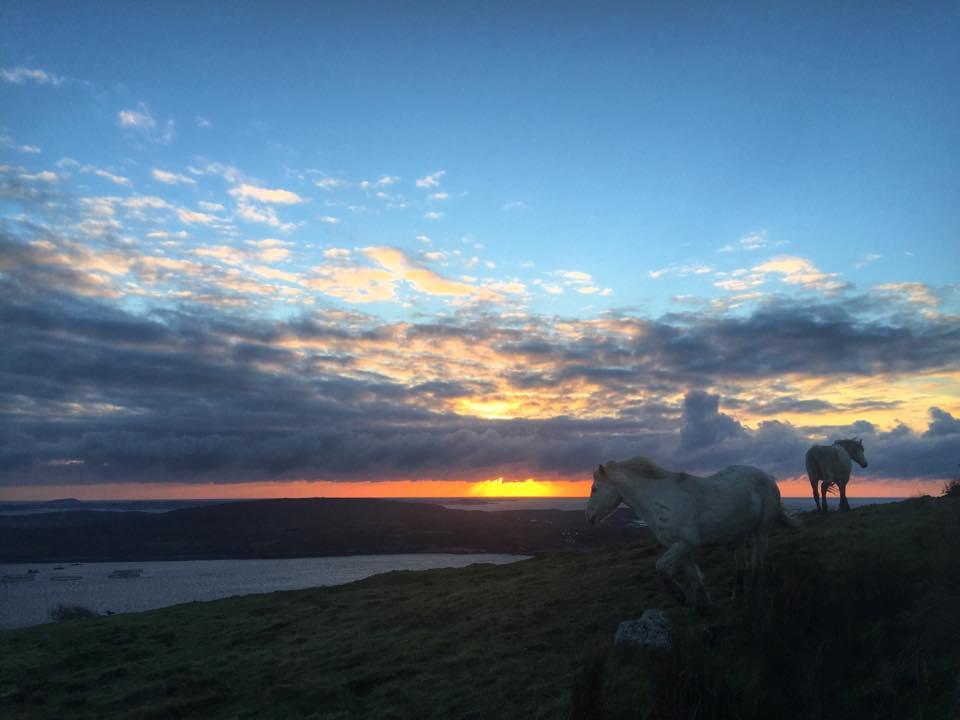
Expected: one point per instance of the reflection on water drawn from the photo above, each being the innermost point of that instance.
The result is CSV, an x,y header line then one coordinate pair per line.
x,y
28,602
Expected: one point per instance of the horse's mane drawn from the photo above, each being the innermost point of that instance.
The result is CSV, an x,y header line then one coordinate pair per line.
x,y
646,467
849,441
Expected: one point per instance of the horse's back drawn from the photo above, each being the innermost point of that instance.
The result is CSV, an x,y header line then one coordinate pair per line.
x,y
737,501
829,463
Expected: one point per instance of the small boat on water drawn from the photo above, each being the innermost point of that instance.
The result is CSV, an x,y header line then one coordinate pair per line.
x,y
125,574
17,578
66,577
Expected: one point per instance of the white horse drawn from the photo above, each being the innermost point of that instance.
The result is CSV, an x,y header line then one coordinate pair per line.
x,y
738,505
830,465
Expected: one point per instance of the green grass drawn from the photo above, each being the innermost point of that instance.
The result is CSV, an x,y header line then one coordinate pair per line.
x,y
858,617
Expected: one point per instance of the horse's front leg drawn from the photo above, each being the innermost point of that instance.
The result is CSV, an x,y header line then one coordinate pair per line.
x,y
844,505
695,582
816,497
666,567
823,495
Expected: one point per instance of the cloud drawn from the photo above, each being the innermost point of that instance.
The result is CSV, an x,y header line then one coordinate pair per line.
x,y
578,281
432,180
433,215
8,142
20,75
194,395
800,271
202,122
422,279
757,240
515,205
263,215
192,217
328,183
680,271
170,178
142,121
275,196
914,292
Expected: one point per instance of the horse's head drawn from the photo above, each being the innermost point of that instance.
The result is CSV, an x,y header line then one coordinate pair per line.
x,y
855,450
604,498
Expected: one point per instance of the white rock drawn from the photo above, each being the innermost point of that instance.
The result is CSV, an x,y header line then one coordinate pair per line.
x,y
653,629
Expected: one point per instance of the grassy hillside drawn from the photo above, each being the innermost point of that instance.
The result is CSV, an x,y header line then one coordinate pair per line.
x,y
859,618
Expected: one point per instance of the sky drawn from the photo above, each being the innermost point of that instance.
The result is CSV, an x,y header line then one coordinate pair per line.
x,y
435,249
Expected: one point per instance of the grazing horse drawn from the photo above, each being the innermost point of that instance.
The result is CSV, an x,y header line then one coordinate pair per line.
x,y
738,505
830,465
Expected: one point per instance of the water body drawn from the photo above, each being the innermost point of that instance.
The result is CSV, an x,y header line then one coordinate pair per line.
x,y
24,603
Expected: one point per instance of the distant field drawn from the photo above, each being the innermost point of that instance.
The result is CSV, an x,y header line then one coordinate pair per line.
x,y
859,617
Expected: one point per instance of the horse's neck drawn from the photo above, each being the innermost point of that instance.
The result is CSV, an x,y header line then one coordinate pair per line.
x,y
644,494
843,448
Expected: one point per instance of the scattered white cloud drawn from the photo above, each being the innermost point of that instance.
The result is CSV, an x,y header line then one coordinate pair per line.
x,y
202,122
329,183
577,281
440,196
141,119
263,215
211,206
433,215
795,270
515,205
171,178
432,180
19,75
914,292
336,253
680,271
276,196
329,219
866,259
143,122
8,142
192,217
43,176
756,240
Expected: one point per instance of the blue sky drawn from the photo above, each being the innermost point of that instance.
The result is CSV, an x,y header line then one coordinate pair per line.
x,y
487,163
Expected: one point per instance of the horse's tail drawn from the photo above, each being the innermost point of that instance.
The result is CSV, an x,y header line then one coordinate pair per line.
x,y
787,520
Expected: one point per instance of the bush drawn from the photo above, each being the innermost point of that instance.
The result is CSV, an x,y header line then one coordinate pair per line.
x,y
951,489
71,612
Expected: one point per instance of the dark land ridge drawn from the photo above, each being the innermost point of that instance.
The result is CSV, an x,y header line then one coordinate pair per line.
x,y
297,528
857,616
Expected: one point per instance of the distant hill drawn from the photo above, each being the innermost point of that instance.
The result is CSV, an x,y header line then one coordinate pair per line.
x,y
858,617
296,528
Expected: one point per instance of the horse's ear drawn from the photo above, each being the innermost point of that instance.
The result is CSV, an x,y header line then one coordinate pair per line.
x,y
601,470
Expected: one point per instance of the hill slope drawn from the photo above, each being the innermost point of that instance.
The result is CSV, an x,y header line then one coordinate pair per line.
x,y
295,528
859,618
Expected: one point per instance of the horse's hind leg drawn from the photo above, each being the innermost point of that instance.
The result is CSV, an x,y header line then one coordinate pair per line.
x,y
666,566
758,552
740,560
